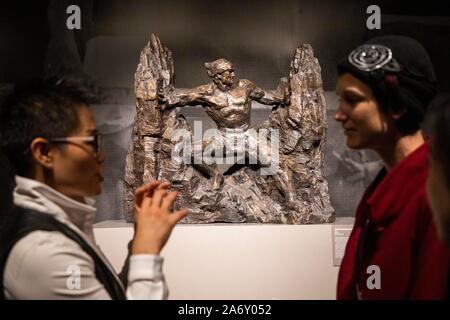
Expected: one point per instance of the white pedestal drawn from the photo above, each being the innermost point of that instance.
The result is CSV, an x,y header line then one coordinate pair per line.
x,y
239,261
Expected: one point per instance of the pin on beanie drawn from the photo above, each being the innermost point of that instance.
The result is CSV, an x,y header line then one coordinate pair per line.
x,y
400,74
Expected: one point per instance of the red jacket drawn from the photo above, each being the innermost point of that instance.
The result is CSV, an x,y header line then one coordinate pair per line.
x,y
394,230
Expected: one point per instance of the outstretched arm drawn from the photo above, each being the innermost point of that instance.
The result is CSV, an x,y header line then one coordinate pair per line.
x,y
193,96
268,97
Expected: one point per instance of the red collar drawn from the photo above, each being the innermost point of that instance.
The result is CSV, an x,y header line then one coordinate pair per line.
x,y
398,186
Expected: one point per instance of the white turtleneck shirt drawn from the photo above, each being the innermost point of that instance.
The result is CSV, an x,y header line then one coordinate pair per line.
x,y
48,265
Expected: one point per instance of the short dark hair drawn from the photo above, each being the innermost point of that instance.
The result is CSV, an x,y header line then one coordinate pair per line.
x,y
41,108
437,126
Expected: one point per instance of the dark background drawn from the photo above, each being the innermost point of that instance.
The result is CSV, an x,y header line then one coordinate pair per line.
x,y
259,36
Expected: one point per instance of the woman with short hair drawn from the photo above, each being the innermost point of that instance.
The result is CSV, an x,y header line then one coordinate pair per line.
x,y
48,248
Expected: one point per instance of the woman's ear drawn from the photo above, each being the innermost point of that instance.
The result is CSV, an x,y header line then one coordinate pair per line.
x,y
41,152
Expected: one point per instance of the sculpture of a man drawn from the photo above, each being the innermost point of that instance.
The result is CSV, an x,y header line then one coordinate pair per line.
x,y
227,101
291,189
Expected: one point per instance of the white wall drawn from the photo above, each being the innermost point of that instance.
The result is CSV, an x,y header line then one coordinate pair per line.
x,y
239,261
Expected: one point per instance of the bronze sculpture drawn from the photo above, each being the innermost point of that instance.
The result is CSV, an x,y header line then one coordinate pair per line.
x,y
295,192
227,101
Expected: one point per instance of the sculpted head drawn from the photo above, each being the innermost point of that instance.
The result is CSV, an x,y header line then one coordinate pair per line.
x,y
222,73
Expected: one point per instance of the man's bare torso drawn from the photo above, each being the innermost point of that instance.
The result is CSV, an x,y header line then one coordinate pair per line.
x,y
230,109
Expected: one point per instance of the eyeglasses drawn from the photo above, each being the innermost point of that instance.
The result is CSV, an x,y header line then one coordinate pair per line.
x,y
96,141
371,57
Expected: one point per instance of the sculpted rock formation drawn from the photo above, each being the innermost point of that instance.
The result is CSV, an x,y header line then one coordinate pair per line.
x,y
235,173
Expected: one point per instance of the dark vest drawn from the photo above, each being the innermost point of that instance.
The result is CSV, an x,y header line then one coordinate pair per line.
x,y
21,222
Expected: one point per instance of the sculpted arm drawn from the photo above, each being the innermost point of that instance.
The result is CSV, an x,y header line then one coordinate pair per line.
x,y
190,97
280,96
267,97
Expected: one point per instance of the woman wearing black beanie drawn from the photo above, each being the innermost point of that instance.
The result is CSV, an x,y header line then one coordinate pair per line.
x,y
393,251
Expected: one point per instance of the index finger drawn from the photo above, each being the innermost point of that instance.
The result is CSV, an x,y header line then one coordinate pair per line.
x,y
148,188
164,185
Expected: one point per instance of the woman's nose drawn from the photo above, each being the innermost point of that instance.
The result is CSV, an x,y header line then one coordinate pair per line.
x,y
339,115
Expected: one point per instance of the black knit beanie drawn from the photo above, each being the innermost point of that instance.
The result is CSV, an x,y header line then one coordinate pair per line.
x,y
411,88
